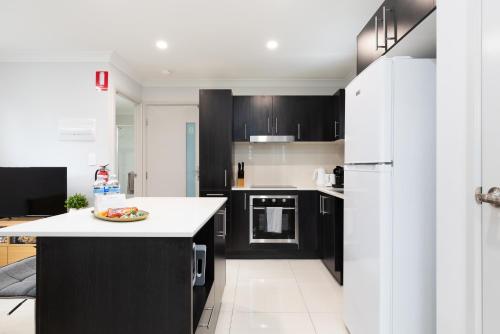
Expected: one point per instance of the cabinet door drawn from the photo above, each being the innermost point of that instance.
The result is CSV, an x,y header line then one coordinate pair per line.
x,y
308,222
408,13
220,221
339,115
242,108
227,194
371,41
338,239
240,235
288,115
329,248
317,115
216,124
260,114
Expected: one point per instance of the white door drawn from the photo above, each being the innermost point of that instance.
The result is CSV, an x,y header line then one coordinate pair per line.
x,y
368,117
491,166
367,249
166,149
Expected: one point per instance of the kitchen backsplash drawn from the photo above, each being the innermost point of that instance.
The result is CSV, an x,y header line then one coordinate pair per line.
x,y
286,164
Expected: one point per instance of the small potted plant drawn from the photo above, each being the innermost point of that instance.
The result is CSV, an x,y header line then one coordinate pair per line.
x,y
76,202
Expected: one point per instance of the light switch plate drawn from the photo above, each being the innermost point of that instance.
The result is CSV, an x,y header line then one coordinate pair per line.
x,y
91,159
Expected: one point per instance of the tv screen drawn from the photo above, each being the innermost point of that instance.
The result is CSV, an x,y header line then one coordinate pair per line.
x,y
32,191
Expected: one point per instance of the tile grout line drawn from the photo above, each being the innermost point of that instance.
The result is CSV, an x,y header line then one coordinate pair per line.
x,y
303,298
235,291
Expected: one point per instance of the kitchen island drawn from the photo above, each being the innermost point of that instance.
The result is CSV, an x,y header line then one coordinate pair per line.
x,y
103,278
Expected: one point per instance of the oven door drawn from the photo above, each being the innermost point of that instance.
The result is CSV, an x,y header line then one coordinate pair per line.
x,y
262,227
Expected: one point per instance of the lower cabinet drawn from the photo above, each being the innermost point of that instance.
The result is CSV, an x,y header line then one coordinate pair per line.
x,y
238,241
331,220
207,299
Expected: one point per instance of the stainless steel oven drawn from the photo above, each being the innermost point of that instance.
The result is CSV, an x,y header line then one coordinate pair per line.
x,y
274,219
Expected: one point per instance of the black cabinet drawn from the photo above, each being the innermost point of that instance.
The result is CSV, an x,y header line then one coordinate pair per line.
x,y
391,22
216,124
238,240
307,118
331,220
319,119
407,14
339,115
252,116
308,219
220,223
289,116
226,194
371,41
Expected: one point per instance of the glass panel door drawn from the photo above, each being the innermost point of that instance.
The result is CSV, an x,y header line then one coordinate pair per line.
x,y
126,144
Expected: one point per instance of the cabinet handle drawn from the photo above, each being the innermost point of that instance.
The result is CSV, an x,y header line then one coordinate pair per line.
x,y
335,128
320,204
245,131
214,195
225,177
298,130
222,230
377,46
276,125
268,125
245,204
387,38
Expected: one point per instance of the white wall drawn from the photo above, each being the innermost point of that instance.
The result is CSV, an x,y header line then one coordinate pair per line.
x,y
458,167
35,95
187,92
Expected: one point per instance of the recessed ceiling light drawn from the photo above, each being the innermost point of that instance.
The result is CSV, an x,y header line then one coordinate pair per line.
x,y
166,72
272,45
162,45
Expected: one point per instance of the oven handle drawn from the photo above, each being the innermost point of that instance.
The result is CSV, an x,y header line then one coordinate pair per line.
x,y
264,207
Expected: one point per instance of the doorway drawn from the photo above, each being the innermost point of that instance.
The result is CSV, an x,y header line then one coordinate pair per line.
x,y
127,152
171,140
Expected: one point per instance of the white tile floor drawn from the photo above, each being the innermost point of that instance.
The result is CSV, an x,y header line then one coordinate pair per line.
x,y
280,296
261,296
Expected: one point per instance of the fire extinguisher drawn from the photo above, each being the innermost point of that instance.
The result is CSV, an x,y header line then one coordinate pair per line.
x,y
102,173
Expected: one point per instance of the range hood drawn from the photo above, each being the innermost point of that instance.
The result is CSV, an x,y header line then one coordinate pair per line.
x,y
272,139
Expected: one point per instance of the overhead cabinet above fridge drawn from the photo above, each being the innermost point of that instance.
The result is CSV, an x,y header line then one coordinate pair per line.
x,y
390,24
297,118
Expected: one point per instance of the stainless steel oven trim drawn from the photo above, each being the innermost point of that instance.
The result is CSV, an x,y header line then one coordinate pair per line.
x,y
274,241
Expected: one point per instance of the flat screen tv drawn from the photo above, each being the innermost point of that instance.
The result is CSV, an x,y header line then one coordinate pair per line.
x,y
32,191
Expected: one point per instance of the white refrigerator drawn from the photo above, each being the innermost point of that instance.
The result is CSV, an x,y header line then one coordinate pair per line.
x,y
389,206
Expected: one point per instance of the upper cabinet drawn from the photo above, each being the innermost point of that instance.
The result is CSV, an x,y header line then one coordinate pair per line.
x,y
251,116
370,41
216,125
390,23
339,115
409,13
307,118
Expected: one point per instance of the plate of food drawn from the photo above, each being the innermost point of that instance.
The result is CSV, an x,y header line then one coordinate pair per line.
x,y
122,215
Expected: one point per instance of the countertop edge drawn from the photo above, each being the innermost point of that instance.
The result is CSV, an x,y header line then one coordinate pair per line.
x,y
324,190
14,231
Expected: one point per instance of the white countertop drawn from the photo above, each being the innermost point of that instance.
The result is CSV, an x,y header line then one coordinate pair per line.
x,y
168,217
325,190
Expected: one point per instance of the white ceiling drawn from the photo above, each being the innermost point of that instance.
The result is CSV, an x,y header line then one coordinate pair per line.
x,y
217,39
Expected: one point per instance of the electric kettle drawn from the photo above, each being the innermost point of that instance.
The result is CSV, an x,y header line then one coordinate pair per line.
x,y
319,176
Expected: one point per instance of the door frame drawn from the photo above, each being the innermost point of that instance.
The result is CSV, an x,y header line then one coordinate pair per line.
x,y
139,139
459,241
144,150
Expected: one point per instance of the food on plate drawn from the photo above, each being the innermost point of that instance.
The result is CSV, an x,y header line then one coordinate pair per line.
x,y
122,213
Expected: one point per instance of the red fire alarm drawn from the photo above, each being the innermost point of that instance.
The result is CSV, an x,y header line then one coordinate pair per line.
x,y
101,80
